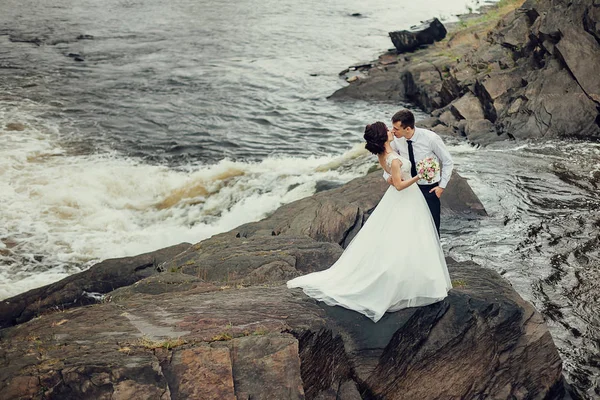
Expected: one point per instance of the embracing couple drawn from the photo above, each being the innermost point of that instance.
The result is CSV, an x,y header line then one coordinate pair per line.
x,y
396,260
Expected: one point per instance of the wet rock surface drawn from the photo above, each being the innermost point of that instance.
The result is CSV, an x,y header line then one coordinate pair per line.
x,y
267,341
217,321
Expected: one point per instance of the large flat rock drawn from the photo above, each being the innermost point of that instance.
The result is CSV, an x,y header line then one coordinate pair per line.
x,y
271,342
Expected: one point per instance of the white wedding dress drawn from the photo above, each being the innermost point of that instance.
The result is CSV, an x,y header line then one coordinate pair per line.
x,y
394,262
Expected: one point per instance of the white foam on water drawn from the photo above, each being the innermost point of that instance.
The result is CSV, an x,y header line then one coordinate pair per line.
x,y
62,213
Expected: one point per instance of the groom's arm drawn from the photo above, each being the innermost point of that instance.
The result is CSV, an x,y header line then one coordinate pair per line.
x,y
439,149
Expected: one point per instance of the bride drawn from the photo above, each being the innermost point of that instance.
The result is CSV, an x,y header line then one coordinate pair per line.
x,y
396,260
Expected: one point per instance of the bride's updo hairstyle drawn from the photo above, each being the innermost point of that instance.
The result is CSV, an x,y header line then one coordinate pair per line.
x,y
376,135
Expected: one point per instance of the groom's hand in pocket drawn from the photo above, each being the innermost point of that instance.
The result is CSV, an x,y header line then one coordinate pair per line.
x,y
438,191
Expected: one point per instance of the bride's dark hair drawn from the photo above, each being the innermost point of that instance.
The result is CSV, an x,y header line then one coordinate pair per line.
x,y
376,134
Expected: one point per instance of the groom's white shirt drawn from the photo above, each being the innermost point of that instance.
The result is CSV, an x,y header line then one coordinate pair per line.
x,y
426,144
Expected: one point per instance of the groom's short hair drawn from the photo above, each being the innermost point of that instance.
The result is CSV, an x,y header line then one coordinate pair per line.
x,y
405,117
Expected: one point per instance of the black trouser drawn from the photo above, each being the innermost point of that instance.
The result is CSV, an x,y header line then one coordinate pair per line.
x,y
433,202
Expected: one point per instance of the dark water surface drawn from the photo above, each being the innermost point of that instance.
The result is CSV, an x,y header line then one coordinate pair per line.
x,y
543,235
184,81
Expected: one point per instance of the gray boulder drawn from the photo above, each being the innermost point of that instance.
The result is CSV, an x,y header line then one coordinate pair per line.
x,y
427,33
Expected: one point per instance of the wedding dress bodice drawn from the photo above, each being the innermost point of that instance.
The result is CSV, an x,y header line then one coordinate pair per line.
x,y
405,168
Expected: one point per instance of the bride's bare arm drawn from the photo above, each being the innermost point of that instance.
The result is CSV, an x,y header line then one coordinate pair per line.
x,y
397,181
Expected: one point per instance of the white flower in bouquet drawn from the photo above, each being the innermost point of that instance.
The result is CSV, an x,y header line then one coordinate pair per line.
x,y
428,168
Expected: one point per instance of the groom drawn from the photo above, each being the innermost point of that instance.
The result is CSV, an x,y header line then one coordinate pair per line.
x,y
417,144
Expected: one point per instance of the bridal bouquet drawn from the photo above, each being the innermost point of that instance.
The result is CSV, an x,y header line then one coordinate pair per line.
x,y
427,168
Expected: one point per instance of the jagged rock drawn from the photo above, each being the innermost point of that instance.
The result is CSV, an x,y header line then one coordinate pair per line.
x,y
427,33
553,105
581,53
591,22
272,249
429,123
199,331
423,85
422,82
486,102
451,88
337,215
514,33
74,290
501,85
331,216
459,198
482,131
477,373
467,107
515,107
448,119
446,130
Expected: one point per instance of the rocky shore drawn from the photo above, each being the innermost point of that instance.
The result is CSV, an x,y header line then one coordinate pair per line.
x,y
214,320
523,70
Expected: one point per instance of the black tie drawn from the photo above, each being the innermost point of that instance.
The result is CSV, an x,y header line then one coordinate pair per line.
x,y
411,157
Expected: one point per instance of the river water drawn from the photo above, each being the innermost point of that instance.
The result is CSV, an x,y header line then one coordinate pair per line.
x,y
543,235
141,124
